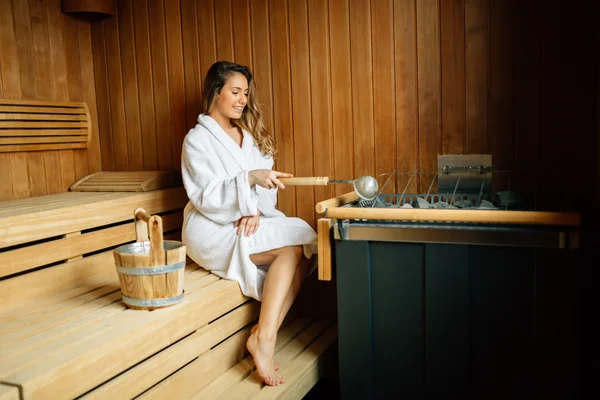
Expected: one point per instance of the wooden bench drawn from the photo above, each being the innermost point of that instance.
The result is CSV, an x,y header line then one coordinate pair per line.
x,y
32,125
65,333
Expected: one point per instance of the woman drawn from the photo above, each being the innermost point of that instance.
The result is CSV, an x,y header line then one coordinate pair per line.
x,y
230,224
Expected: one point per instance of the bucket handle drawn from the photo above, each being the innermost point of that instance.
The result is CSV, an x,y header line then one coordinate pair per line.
x,y
152,226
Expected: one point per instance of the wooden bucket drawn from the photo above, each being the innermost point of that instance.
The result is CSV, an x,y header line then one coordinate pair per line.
x,y
151,270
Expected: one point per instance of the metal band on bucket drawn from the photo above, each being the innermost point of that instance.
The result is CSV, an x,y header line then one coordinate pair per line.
x,y
152,302
163,269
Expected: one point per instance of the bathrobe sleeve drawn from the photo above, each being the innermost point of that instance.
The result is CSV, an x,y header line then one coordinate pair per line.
x,y
221,198
267,198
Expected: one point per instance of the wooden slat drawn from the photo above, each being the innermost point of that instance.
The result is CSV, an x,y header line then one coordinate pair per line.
x,y
302,129
384,110
362,88
5,115
8,392
58,56
324,257
223,21
40,124
47,109
44,105
207,42
160,82
304,371
50,281
43,132
37,173
41,337
476,216
252,384
193,79
15,140
29,257
341,93
203,370
320,78
20,178
261,54
453,109
242,369
100,61
25,227
9,58
32,336
41,45
115,96
280,53
428,55
131,181
476,73
144,56
176,77
501,132
67,170
131,93
24,37
52,165
89,93
151,371
140,337
242,44
72,57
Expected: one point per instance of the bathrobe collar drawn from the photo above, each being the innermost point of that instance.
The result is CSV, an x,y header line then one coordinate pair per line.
x,y
240,154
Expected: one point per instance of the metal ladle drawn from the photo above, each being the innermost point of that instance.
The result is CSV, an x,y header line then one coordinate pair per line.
x,y
366,186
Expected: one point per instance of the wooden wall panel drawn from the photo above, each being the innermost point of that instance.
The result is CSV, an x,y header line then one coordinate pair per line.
x,y
384,105
341,93
160,82
362,82
428,72
302,114
350,87
282,97
453,97
320,79
46,55
145,73
407,106
131,90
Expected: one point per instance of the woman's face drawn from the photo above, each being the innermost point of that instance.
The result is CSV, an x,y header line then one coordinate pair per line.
x,y
233,97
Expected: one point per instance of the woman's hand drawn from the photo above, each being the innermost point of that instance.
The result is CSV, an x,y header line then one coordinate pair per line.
x,y
248,225
267,178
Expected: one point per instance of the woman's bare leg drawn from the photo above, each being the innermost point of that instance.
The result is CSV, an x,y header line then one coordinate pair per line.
x,y
261,343
295,287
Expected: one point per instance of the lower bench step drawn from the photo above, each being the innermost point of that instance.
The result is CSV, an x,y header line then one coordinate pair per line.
x,y
228,372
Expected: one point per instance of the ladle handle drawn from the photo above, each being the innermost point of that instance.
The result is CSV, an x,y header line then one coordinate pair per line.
x,y
305,181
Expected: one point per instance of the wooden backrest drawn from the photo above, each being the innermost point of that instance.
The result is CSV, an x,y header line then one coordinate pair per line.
x,y
32,125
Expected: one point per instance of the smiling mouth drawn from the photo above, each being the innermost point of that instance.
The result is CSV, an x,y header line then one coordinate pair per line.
x,y
239,108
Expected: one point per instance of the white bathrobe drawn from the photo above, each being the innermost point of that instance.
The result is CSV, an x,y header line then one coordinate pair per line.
x,y
215,175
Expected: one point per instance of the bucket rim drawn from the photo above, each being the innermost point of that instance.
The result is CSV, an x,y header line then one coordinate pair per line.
x,y
134,248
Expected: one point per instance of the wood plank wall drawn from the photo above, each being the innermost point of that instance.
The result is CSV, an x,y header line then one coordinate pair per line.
x,y
362,87
45,55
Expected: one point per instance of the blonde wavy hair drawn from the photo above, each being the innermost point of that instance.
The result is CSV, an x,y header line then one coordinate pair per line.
x,y
252,116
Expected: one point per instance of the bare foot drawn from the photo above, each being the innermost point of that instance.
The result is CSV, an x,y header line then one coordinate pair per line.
x,y
262,352
275,362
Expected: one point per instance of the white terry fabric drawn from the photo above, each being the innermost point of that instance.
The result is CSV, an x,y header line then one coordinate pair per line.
x,y
215,175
